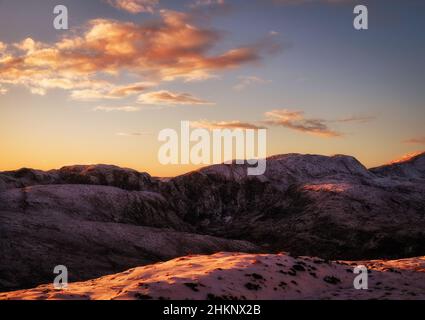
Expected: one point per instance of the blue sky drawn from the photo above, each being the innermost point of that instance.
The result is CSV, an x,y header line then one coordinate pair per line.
x,y
367,86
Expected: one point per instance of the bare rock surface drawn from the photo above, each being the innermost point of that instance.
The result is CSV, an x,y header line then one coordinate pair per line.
x,y
236,276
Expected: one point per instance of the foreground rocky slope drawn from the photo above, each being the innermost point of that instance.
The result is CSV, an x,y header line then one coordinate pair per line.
x,y
92,230
227,276
98,218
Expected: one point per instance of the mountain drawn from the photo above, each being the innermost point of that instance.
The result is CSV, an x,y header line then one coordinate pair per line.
x,y
331,207
102,219
236,276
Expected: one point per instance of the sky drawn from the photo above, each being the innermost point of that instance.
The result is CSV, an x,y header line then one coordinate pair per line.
x,y
101,91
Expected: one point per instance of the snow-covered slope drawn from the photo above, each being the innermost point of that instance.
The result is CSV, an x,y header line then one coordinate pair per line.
x,y
246,276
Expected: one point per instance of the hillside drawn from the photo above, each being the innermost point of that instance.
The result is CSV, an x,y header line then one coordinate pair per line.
x,y
227,276
102,219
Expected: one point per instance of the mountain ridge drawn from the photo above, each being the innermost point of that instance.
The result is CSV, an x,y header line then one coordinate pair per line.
x,y
80,168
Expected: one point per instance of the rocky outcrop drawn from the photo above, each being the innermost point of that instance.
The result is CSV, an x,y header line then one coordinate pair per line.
x,y
105,175
26,177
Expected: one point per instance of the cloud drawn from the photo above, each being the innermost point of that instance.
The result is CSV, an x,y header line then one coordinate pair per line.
x,y
135,6
203,3
130,89
3,47
416,140
133,134
248,81
115,109
210,125
165,97
295,120
169,48
90,95
109,91
3,90
355,119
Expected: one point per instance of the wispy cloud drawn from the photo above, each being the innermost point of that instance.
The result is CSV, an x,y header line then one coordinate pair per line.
x,y
236,124
290,119
203,3
3,48
169,98
135,6
355,119
109,91
415,140
247,81
90,95
3,90
133,134
130,89
296,120
117,109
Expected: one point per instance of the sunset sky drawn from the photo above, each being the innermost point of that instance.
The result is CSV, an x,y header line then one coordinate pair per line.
x,y
101,91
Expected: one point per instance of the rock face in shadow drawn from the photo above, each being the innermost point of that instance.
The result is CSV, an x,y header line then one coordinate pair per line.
x,y
104,219
47,231
94,203
331,207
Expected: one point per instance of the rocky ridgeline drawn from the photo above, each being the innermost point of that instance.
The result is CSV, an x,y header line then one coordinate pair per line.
x,y
106,175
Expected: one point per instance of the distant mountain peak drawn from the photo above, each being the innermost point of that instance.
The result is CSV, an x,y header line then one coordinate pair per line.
x,y
410,166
